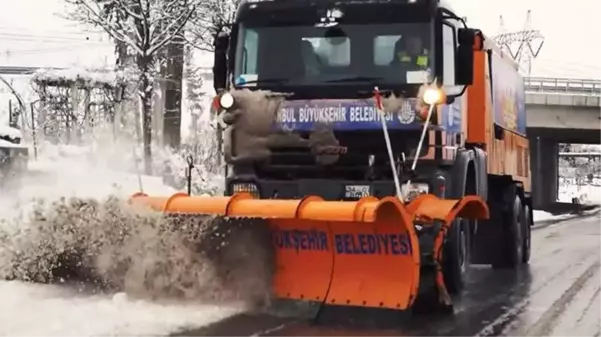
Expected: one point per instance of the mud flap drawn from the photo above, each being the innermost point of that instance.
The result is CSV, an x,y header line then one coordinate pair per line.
x,y
429,209
363,253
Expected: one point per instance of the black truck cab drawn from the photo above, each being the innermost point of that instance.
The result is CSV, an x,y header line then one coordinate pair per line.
x,y
327,57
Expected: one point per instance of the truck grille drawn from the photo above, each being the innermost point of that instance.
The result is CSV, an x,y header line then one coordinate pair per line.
x,y
302,163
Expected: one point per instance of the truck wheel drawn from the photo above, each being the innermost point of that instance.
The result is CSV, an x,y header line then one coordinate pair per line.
x,y
512,243
527,230
456,256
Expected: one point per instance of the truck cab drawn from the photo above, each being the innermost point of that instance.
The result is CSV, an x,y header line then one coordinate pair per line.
x,y
325,58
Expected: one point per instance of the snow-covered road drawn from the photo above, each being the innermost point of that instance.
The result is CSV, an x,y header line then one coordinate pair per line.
x,y
46,310
36,309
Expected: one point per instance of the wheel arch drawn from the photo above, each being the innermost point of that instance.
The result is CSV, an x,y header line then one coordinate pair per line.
x,y
470,164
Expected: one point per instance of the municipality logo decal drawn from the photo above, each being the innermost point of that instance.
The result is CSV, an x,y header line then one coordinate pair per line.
x,y
406,114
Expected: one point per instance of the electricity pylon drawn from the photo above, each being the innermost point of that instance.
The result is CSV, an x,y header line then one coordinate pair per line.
x,y
523,46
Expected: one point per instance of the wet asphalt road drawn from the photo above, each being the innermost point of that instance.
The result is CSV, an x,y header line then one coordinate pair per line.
x,y
557,294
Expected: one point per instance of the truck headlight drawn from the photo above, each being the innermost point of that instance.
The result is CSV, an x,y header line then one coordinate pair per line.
x,y
226,100
433,96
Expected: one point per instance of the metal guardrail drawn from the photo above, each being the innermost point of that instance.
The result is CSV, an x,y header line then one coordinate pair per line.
x,y
563,85
21,70
580,154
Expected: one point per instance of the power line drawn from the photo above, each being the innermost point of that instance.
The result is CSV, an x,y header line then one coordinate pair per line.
x,y
53,42
523,45
14,37
66,36
12,29
47,50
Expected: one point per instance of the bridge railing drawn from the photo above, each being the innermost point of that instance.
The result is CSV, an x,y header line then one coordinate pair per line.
x,y
563,85
580,154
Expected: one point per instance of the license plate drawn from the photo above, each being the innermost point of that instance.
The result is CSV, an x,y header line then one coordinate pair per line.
x,y
356,191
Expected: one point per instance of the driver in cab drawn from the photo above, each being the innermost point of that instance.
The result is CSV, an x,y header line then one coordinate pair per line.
x,y
410,54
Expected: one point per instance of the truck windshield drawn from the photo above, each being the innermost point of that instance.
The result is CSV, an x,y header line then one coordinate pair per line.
x,y
392,53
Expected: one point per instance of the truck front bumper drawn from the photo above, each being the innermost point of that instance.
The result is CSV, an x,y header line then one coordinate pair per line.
x,y
325,188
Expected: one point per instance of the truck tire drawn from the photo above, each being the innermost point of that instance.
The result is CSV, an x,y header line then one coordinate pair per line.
x,y
512,244
457,248
527,229
456,256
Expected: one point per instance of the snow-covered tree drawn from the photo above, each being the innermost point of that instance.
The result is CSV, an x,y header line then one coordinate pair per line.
x,y
73,102
145,27
194,86
211,18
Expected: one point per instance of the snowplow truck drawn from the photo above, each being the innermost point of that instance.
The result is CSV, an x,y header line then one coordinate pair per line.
x,y
383,142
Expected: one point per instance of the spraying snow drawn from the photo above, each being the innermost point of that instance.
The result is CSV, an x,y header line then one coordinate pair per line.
x,y
80,233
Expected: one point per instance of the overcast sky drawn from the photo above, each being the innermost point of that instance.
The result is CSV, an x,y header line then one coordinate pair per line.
x,y
31,34
572,29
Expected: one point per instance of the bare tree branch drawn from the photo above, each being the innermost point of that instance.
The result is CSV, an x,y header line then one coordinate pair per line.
x,y
211,18
111,29
128,11
169,32
199,46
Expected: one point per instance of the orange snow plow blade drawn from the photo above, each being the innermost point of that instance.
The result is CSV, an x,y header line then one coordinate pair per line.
x,y
356,253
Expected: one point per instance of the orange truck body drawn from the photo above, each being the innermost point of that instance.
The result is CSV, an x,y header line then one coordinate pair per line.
x,y
507,147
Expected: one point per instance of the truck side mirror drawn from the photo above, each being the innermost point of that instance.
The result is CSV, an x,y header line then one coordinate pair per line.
x,y
220,44
467,38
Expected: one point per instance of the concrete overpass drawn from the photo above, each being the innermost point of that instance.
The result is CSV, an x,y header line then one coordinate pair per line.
x,y
559,110
565,109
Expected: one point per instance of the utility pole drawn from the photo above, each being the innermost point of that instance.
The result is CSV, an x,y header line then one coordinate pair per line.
x,y
523,45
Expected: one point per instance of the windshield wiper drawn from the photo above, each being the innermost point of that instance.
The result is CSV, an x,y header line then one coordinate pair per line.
x,y
282,80
356,79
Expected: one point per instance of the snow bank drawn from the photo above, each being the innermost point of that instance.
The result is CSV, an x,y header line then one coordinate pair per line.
x,y
586,194
10,132
4,143
541,215
544,216
32,310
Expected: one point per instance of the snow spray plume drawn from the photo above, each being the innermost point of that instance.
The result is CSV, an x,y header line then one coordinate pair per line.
x,y
113,245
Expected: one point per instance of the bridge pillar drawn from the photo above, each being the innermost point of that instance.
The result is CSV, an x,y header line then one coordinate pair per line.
x,y
544,164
